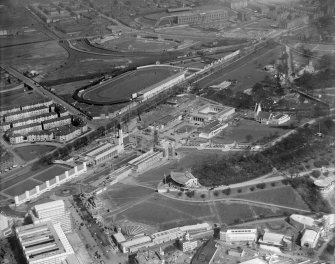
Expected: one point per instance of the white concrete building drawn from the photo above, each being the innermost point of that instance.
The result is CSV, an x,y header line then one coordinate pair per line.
x,y
137,241
325,185
167,235
272,239
146,160
44,243
5,226
241,235
184,179
211,112
310,238
212,129
57,212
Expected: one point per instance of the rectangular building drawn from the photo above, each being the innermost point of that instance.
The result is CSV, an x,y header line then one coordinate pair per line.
x,y
239,235
44,243
212,129
23,130
199,17
26,113
56,212
211,112
34,119
101,153
146,160
61,121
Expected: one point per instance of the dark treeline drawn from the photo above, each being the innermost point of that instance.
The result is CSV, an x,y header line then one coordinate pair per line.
x,y
287,154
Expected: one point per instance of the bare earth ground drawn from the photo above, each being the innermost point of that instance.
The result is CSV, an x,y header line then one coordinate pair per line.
x,y
248,73
42,57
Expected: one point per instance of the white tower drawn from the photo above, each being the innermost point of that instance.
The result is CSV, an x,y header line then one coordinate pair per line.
x,y
257,110
120,137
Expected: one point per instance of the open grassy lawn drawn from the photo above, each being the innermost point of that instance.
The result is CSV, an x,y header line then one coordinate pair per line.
x,y
31,152
19,97
120,194
51,172
162,212
285,196
22,187
123,87
244,128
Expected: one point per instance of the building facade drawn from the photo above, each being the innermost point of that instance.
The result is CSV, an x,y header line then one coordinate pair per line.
x,y
196,18
57,212
242,235
39,110
212,129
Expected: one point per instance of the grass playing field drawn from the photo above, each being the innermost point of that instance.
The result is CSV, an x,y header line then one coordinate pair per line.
x,y
123,87
51,173
245,128
285,196
22,187
31,152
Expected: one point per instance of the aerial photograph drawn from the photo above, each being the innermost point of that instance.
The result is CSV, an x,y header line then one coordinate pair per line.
x,y
167,131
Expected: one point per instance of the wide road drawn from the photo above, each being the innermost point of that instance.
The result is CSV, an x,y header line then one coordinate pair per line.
x,y
45,93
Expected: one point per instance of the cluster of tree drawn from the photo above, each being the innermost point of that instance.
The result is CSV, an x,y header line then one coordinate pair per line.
x,y
325,26
312,197
228,97
232,169
289,152
321,79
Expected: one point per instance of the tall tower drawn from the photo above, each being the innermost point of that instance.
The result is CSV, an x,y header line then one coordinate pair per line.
x,y
257,110
120,135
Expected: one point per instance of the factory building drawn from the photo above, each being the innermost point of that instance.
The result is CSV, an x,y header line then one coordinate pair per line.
x,y
56,212
212,129
211,112
44,243
243,235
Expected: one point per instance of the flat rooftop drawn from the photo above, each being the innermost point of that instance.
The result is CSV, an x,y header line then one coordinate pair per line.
x,y
43,240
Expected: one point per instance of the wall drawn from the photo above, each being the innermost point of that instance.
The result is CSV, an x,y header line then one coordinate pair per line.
x,y
50,184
